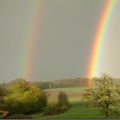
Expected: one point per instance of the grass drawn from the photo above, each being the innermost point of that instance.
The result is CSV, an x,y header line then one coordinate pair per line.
x,y
78,109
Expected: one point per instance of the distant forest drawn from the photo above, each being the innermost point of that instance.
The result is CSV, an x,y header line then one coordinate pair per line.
x,y
73,82
62,83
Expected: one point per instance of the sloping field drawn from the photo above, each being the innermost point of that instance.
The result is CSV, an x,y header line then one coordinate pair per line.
x,y
74,93
78,109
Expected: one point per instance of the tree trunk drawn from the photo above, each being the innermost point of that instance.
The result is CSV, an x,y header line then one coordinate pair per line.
x,y
107,110
106,113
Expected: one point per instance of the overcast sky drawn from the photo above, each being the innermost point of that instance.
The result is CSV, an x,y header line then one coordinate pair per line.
x,y
64,40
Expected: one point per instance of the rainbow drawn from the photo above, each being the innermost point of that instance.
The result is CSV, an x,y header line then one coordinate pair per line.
x,y
99,39
31,38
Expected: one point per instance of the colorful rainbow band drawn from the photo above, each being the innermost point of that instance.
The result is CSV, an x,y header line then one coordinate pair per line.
x,y
99,39
31,38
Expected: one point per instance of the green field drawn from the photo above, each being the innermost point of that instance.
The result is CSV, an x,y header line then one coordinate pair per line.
x,y
78,109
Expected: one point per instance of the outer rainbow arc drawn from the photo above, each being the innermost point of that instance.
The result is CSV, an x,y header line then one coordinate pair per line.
x,y
31,42
99,39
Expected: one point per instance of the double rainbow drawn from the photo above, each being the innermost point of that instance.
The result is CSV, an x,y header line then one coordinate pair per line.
x,y
97,41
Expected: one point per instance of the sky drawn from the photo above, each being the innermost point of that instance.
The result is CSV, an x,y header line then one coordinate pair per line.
x,y
64,36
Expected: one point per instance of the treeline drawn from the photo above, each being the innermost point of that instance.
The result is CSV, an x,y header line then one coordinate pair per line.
x,y
73,82
19,98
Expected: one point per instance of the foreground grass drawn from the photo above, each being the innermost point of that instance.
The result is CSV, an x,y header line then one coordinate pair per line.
x,y
78,110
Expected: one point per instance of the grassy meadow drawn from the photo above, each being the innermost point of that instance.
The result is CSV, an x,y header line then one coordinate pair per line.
x,y
77,110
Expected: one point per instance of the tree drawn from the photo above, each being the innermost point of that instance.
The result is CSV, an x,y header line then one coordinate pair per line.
x,y
24,98
59,106
3,93
105,93
63,100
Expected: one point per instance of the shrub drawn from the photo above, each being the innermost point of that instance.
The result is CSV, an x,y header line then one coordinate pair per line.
x,y
24,98
51,109
60,106
87,98
63,100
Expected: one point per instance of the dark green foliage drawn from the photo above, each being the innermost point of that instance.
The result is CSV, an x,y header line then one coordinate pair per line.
x,y
62,99
3,93
51,109
60,106
24,98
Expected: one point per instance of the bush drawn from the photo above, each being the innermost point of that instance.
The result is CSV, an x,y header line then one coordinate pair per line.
x,y
24,98
63,102
51,109
87,98
60,106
